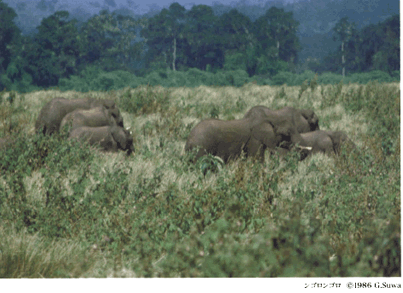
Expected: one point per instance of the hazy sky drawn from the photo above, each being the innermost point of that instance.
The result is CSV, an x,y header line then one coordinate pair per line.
x,y
143,6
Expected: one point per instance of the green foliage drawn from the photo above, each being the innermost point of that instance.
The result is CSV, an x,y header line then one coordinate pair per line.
x,y
154,214
145,100
364,78
209,164
329,78
270,66
94,78
235,61
32,256
283,78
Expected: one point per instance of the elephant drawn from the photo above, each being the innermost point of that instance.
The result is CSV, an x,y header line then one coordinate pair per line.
x,y
53,112
228,139
305,120
340,138
320,141
326,141
98,116
110,138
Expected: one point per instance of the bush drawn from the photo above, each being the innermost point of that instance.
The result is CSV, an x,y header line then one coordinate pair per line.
x,y
144,100
196,77
329,78
300,78
237,77
283,78
74,83
234,62
366,77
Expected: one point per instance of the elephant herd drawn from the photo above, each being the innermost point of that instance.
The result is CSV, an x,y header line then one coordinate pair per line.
x,y
99,122
261,129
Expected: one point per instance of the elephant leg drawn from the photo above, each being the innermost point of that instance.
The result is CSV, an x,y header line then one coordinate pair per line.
x,y
255,149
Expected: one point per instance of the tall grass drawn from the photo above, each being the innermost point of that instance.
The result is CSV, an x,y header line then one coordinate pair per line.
x,y
68,210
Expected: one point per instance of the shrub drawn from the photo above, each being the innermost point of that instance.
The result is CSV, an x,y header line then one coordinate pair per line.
x,y
300,78
329,78
237,77
283,78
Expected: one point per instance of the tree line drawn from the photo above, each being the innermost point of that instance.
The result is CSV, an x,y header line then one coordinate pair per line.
x,y
178,39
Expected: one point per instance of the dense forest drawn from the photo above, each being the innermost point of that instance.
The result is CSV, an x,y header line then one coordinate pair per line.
x,y
218,45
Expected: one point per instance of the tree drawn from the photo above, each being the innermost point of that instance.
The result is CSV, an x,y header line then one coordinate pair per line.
x,y
110,40
164,33
235,31
344,31
9,35
53,52
202,36
276,32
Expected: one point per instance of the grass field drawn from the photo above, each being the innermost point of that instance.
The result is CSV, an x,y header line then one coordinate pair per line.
x,y
68,210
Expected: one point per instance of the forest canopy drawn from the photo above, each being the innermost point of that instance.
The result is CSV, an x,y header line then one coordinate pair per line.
x,y
227,47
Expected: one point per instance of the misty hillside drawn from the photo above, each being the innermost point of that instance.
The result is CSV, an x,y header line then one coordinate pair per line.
x,y
316,17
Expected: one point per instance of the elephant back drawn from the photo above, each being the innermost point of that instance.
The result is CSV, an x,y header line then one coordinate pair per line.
x,y
258,112
94,117
53,112
95,136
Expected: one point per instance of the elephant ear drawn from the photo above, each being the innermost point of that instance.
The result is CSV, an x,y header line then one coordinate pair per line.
x,y
311,117
109,104
122,137
264,133
117,117
307,114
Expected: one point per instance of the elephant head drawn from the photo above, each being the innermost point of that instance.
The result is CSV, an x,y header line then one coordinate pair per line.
x,y
320,142
115,113
340,138
310,116
123,138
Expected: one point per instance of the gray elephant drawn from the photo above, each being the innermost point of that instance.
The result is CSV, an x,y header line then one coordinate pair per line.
x,y
326,141
95,117
53,112
340,138
305,120
110,138
228,139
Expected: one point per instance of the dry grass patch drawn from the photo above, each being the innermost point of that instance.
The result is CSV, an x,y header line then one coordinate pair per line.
x,y
31,256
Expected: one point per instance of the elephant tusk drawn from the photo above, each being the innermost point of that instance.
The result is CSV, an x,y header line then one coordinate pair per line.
x,y
305,148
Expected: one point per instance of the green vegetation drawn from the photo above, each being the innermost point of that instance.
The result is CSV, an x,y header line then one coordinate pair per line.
x,y
68,210
177,47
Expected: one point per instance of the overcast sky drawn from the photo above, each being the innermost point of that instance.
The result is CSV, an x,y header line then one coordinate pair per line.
x,y
142,5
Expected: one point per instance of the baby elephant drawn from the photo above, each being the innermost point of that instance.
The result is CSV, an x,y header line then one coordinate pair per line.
x,y
95,117
110,138
326,141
